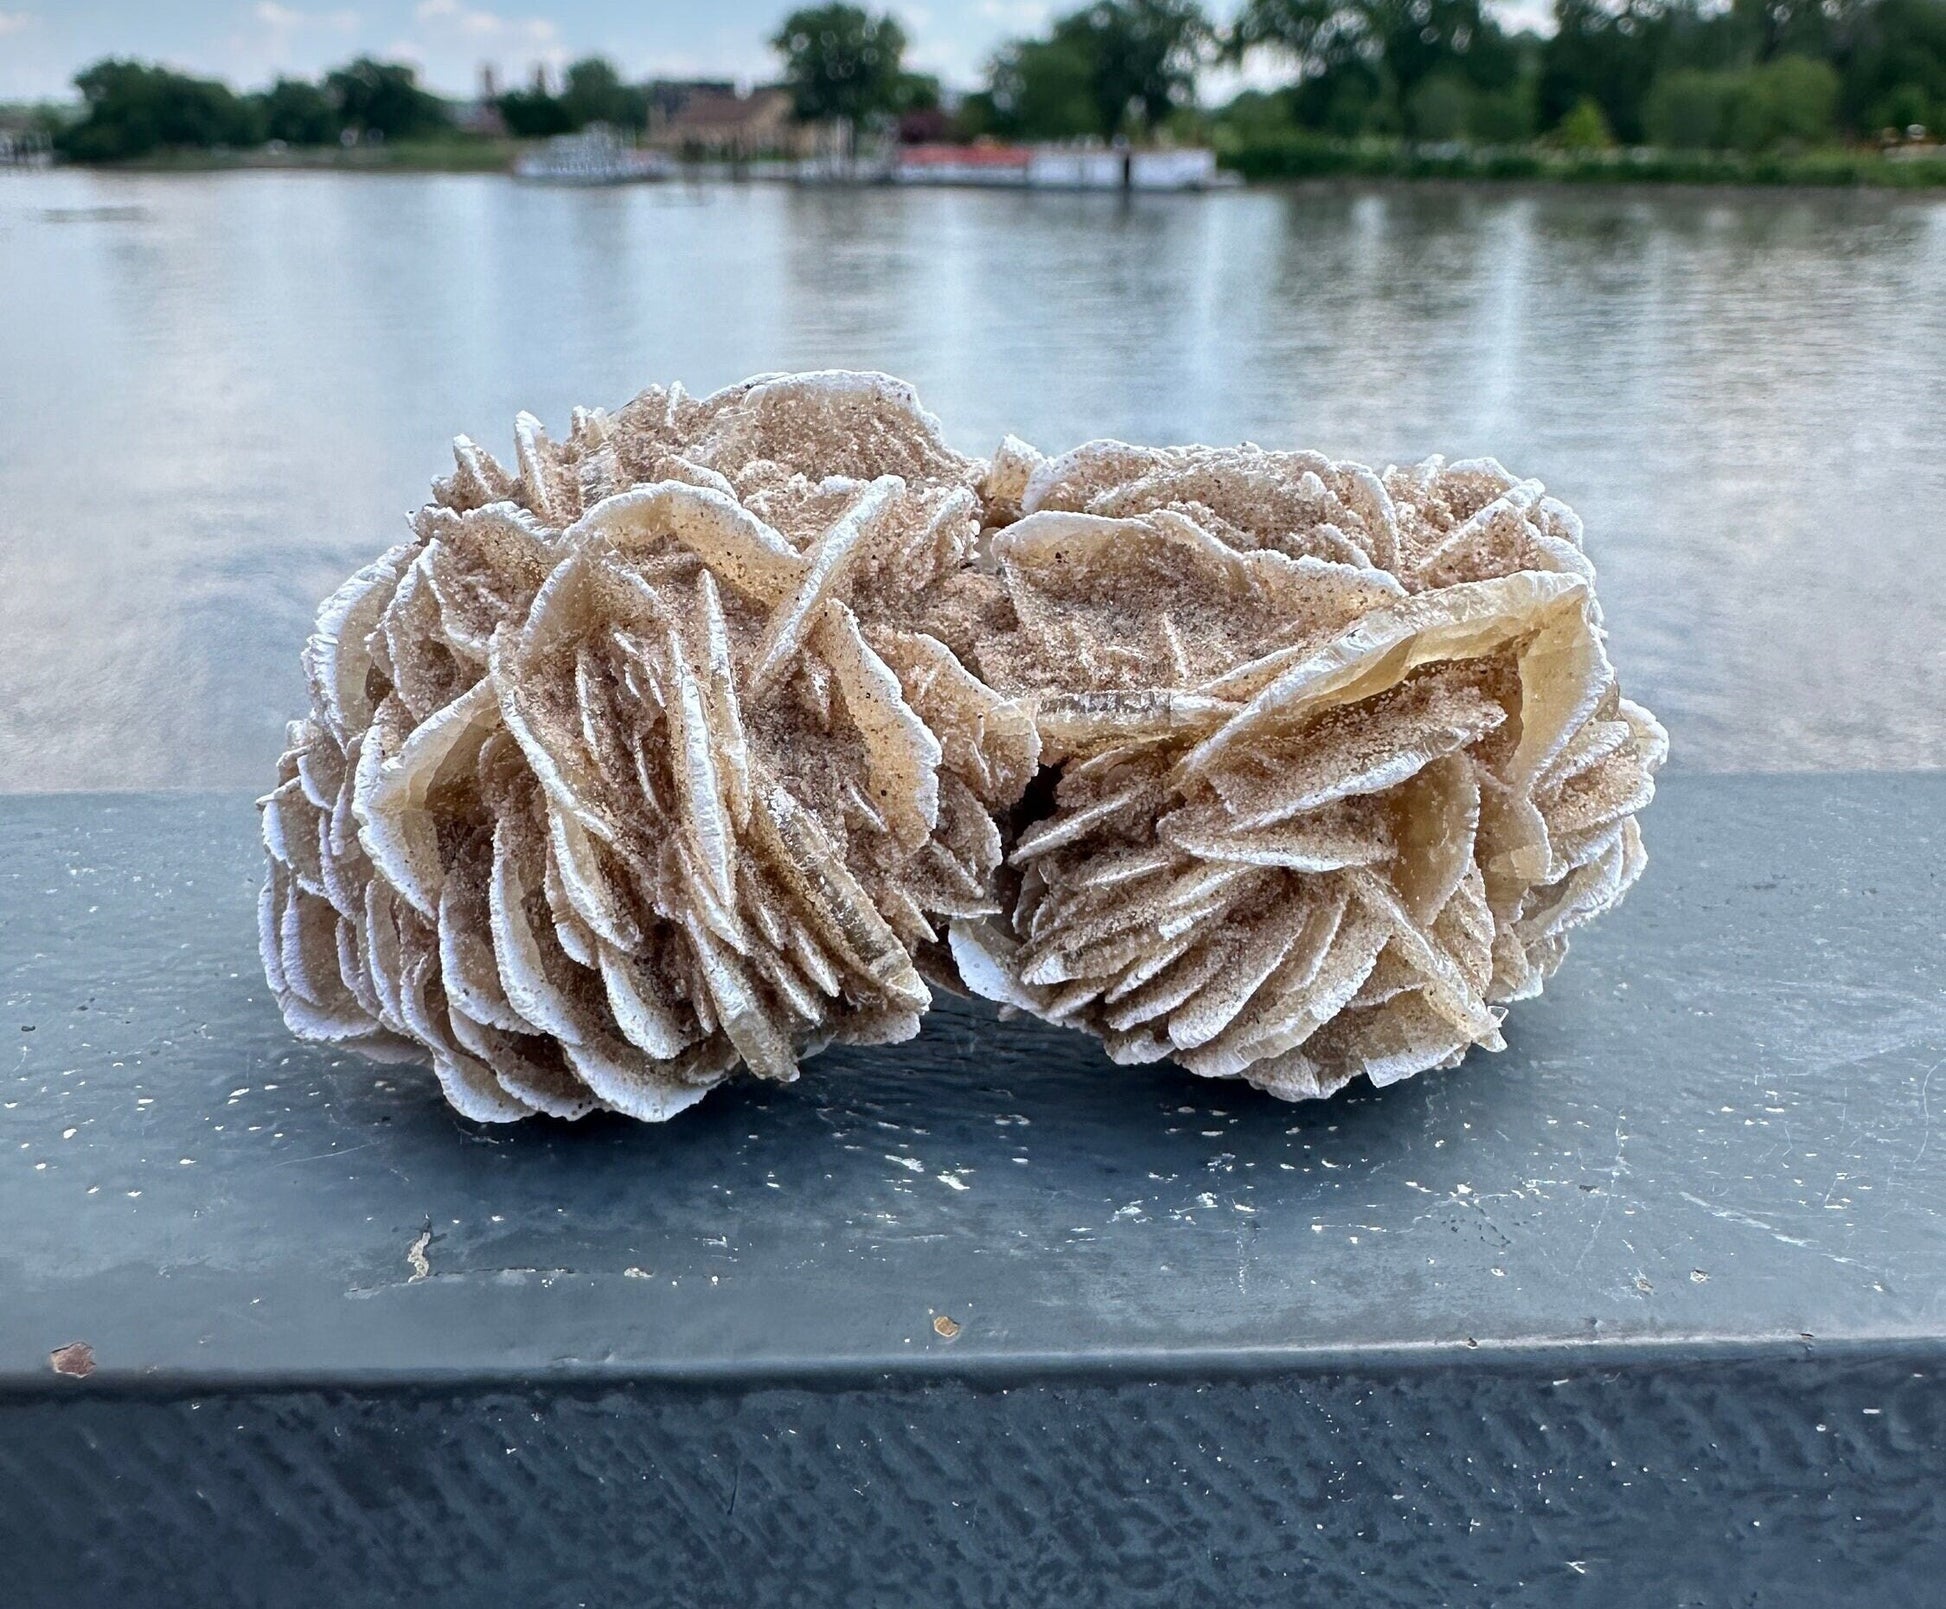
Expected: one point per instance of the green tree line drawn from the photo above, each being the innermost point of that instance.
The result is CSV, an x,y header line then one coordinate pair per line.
x,y
132,109
1752,75
1686,75
839,62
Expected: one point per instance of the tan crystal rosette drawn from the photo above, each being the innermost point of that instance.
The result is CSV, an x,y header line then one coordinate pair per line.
x,y
682,744
649,757
1340,759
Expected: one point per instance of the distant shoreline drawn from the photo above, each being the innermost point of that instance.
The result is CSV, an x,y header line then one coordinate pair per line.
x,y
442,156
1317,170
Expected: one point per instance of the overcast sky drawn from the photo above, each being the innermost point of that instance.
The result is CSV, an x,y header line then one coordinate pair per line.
x,y
249,42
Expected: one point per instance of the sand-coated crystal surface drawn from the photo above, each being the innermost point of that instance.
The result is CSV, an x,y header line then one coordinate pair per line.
x,y
723,729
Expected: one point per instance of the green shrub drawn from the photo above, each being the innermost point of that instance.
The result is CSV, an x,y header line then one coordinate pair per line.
x,y
1437,109
1789,101
1502,117
299,113
1690,110
1906,107
1585,128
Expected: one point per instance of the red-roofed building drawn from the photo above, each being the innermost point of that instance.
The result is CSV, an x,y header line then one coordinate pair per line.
x,y
962,164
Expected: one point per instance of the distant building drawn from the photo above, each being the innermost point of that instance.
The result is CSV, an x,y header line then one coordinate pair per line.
x,y
668,96
25,148
1056,167
25,137
963,164
925,125
714,121
482,115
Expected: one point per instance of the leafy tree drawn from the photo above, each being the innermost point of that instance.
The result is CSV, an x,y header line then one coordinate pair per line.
x,y
134,109
1376,66
1113,67
1607,52
1409,40
841,64
1775,28
594,93
384,98
298,113
1907,107
1894,69
533,114
1142,57
1687,110
1502,116
1042,89
916,92
1258,117
1787,101
1685,73
1755,74
1350,98
1439,108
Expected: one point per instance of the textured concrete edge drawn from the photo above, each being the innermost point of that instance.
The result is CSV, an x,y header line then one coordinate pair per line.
x,y
1548,1359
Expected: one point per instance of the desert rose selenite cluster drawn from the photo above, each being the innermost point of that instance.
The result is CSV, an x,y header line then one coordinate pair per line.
x,y
715,733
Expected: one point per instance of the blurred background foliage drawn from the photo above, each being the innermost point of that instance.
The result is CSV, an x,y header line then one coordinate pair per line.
x,y
1429,81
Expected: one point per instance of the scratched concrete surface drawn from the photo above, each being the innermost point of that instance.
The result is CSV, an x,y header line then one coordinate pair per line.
x,y
1720,1124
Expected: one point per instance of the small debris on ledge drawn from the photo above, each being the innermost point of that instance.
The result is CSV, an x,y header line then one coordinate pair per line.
x,y
76,1359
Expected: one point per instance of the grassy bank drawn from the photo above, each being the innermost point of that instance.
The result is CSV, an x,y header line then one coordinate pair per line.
x,y
1310,157
465,154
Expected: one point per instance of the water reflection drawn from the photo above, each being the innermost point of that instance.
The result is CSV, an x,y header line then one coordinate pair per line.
x,y
218,395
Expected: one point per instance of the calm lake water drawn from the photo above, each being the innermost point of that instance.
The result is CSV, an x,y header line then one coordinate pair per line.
x,y
219,395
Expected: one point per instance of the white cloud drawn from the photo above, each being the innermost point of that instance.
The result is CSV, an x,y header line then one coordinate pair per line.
x,y
272,15
276,39
1535,16
451,39
1017,16
454,16
956,50
13,22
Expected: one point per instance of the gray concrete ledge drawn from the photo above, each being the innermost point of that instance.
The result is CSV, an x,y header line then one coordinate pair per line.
x,y
1649,1308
